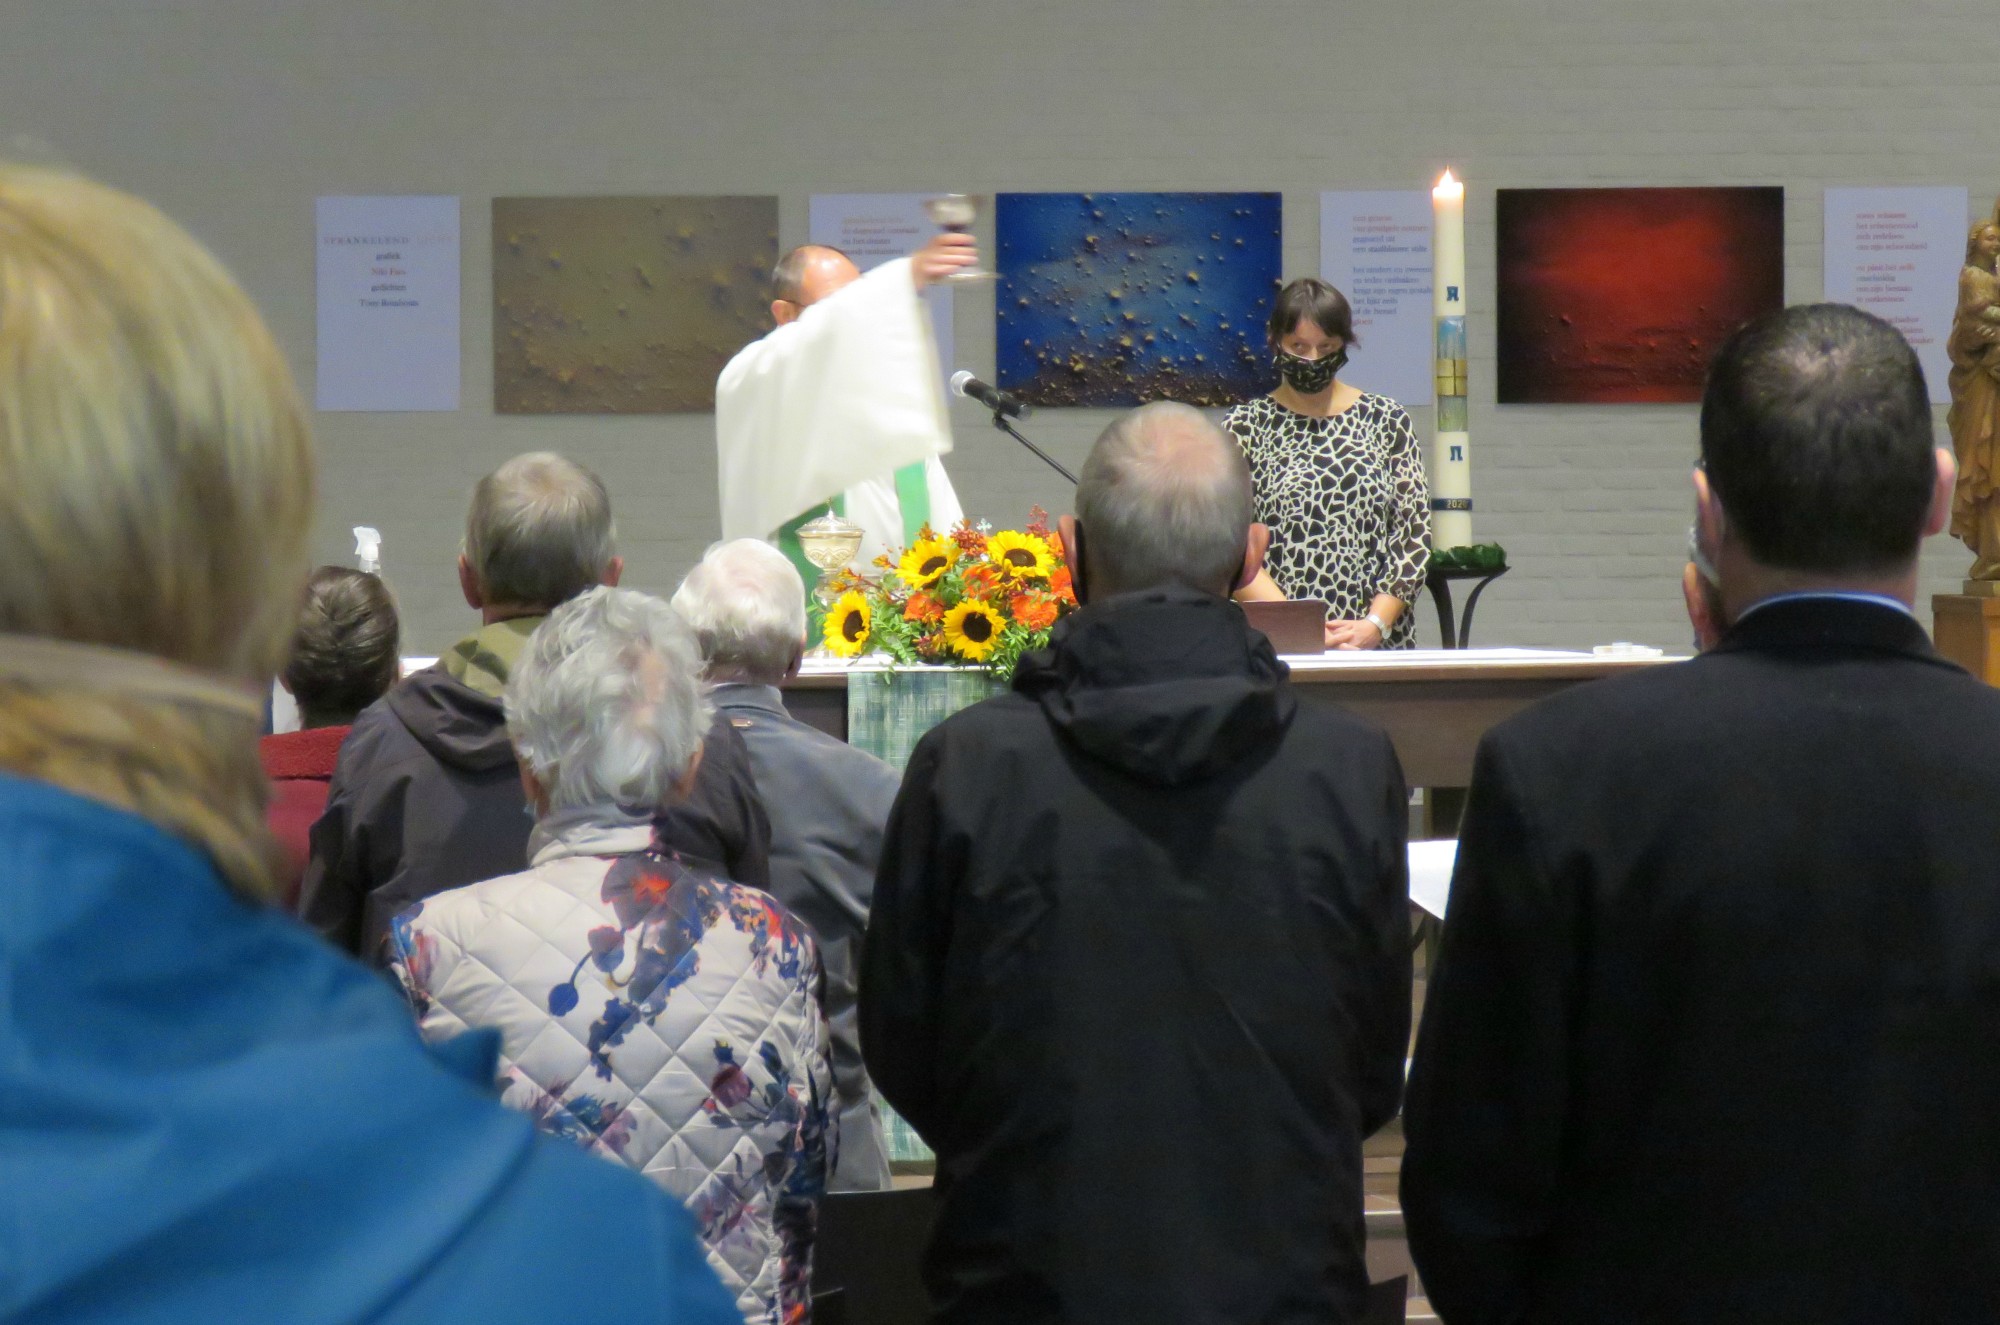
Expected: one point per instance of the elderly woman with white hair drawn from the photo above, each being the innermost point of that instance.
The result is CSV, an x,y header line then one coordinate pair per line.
x,y
211,1115
651,1012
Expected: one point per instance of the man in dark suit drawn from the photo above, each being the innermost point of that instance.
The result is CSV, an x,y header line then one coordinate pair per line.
x,y
1139,967
1715,1032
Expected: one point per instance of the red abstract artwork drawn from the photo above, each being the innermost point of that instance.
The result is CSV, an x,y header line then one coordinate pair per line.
x,y
1623,295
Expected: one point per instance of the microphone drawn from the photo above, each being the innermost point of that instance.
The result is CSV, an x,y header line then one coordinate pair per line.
x,y
968,387
965,385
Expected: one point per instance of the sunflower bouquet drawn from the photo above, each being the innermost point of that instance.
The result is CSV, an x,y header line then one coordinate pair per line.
x,y
970,598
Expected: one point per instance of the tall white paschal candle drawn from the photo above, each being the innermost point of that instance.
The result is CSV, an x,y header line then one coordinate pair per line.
x,y
1451,451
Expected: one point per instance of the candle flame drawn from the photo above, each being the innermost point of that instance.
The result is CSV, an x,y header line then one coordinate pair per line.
x,y
1448,186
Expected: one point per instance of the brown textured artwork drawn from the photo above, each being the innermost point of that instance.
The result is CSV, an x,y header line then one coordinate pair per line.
x,y
625,305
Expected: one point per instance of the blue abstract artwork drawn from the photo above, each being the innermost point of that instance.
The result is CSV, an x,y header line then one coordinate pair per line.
x,y
1120,298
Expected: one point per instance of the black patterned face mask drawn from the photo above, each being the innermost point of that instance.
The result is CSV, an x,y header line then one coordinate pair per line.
x,y
1309,377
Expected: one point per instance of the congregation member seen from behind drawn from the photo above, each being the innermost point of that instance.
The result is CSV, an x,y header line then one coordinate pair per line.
x,y
343,658
427,794
1714,1033
652,1012
1139,963
828,801
211,1116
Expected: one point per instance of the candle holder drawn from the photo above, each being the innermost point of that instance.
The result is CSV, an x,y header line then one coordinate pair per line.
x,y
955,212
1484,562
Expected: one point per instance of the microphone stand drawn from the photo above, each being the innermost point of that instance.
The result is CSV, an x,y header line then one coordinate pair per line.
x,y
1000,422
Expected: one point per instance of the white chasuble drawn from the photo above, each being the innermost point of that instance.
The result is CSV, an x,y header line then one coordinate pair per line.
x,y
828,408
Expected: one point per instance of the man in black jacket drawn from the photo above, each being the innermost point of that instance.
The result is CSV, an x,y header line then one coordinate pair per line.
x,y
427,794
1138,967
1715,1032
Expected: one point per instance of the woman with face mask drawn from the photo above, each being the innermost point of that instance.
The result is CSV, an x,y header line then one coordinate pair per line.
x,y
1338,476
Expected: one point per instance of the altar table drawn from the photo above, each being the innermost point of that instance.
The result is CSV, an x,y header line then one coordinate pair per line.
x,y
1434,703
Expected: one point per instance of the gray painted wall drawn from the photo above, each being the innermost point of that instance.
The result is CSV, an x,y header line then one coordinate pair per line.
x,y
235,114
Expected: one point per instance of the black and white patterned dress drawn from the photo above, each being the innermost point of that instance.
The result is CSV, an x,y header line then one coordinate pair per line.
x,y
1347,502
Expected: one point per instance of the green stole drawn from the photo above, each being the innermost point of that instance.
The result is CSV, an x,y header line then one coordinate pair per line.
x,y
913,502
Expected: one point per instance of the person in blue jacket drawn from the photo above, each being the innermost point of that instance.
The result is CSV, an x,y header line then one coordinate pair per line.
x,y
206,1114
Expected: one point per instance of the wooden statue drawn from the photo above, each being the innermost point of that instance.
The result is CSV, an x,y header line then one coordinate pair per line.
x,y
1974,419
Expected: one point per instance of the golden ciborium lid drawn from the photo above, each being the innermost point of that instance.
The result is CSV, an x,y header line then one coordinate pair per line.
x,y
830,541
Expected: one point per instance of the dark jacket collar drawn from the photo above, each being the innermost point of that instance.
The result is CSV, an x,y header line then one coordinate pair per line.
x,y
1823,624
1169,685
460,727
750,695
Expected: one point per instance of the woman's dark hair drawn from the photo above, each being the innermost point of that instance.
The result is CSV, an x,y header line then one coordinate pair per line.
x,y
344,654
1314,301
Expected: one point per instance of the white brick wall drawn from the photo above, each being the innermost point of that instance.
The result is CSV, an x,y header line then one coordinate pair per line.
x,y
234,114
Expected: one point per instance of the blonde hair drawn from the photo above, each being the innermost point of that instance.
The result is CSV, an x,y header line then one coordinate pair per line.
x,y
158,488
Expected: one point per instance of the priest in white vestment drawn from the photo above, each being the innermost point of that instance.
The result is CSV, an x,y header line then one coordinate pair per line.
x,y
841,405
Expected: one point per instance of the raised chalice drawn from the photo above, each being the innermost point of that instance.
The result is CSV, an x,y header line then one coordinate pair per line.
x,y
955,212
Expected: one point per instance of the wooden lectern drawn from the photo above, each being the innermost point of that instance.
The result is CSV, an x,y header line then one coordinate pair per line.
x,y
1966,628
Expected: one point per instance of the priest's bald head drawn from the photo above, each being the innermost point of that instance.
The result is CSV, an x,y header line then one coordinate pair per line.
x,y
806,275
1164,499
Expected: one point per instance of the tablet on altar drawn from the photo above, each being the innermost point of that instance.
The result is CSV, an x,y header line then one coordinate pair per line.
x,y
1297,625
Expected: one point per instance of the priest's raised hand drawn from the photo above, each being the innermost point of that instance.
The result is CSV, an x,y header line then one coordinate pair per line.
x,y
841,405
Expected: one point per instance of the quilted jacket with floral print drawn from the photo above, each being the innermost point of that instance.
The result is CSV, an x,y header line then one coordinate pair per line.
x,y
658,1016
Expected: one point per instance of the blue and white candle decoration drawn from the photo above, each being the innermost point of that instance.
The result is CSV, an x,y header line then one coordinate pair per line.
x,y
1451,451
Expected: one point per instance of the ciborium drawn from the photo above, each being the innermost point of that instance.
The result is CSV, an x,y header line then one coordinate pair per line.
x,y
829,542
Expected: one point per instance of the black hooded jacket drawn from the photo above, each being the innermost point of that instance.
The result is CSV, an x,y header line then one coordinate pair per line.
x,y
427,796
1138,970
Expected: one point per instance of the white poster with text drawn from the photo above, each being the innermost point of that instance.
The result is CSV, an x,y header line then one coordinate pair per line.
x,y
388,303
1896,252
1375,248
873,228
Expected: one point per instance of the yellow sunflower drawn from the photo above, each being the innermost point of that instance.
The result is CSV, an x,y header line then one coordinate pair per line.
x,y
972,630
1022,556
926,562
848,623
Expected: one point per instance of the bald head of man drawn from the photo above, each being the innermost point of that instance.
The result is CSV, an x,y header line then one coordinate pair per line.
x,y
1164,499
806,275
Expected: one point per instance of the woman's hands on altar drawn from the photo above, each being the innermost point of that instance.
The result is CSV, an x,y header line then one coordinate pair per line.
x,y
948,251
1353,635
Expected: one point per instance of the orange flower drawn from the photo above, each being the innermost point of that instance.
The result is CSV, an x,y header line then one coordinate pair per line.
x,y
923,607
970,541
1054,540
1059,584
1033,611
982,579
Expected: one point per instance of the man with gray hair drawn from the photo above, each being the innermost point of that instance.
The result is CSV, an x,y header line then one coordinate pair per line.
x,y
827,800
650,1011
426,794
1139,964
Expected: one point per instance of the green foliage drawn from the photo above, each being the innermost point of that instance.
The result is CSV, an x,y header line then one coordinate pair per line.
x,y
1477,557
1015,641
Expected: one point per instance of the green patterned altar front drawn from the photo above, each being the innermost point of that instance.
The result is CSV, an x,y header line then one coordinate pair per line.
x,y
888,712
